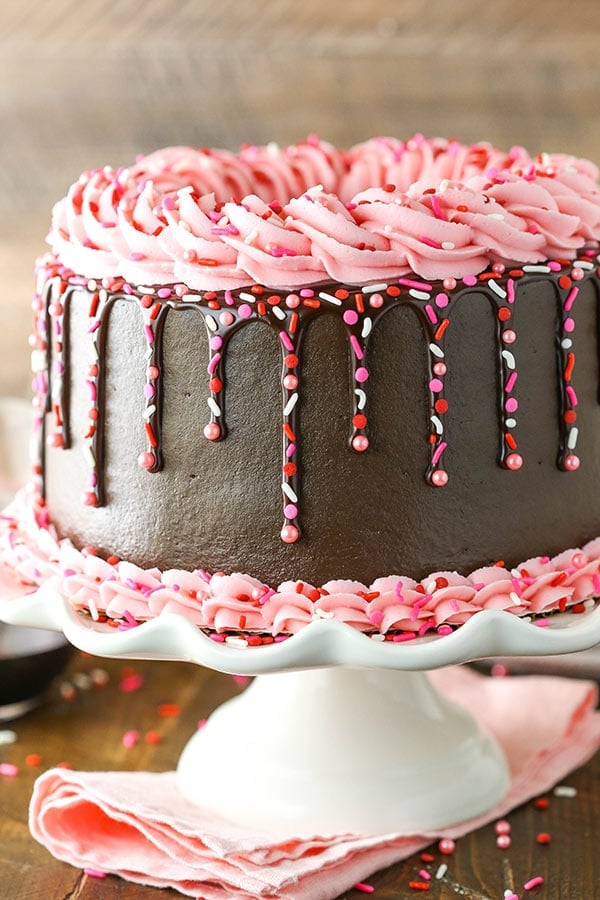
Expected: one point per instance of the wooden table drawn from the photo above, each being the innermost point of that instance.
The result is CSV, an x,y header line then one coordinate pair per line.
x,y
87,730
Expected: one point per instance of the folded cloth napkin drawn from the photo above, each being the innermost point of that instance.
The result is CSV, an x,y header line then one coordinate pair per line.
x,y
138,826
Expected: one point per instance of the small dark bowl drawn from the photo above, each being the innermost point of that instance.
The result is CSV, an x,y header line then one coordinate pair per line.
x,y
30,658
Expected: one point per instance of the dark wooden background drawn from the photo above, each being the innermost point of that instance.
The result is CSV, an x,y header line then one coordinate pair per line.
x,y
88,83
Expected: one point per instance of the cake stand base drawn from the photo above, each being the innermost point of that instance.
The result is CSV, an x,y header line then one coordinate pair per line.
x,y
340,750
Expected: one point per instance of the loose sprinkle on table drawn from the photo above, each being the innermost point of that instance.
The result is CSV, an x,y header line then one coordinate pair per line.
x,y
565,790
33,760
418,885
9,770
94,873
544,838
533,883
152,737
169,710
541,803
364,888
131,682
7,736
130,739
446,846
441,871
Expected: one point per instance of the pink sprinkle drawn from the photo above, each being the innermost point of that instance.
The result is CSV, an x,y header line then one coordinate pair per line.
x,y
570,392
94,873
201,723
241,680
217,638
149,334
571,297
361,375
290,450
130,739
437,209
358,352
405,636
9,769
533,883
596,583
229,298
438,452
436,385
431,313
214,362
417,285
376,617
245,311
424,874
443,630
429,242
470,280
163,293
131,683
510,383
365,888
286,340
542,623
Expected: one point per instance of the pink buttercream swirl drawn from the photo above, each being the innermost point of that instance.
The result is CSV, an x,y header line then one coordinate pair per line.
x,y
309,212
32,555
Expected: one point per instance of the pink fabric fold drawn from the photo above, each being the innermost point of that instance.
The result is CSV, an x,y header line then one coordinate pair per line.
x,y
138,826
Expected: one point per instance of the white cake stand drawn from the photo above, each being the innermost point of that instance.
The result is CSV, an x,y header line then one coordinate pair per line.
x,y
339,733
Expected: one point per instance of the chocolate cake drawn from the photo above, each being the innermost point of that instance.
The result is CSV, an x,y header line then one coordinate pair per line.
x,y
368,380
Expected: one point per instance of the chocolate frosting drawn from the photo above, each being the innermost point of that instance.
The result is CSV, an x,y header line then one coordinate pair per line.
x,y
217,504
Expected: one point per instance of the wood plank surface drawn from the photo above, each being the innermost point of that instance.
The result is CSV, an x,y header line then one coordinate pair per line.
x,y
87,732
83,84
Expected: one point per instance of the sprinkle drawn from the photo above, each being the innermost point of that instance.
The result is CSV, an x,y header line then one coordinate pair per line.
x,y
286,340
214,406
533,883
424,874
537,269
94,873
372,288
509,359
446,846
7,737
329,298
367,326
130,739
441,871
497,288
362,398
565,790
364,888
358,351
9,770
169,710
436,351
240,643
543,838
419,885
132,681
406,282
33,760
419,295
289,492
278,313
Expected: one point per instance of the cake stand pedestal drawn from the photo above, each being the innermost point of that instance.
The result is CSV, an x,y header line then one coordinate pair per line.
x,y
339,733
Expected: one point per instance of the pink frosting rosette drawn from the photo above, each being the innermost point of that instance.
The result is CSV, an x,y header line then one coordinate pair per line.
x,y
268,250
180,592
217,172
496,588
433,245
128,593
234,603
345,250
343,601
397,604
290,608
192,239
282,172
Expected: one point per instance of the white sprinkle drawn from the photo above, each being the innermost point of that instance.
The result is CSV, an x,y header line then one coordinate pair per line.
x,y
93,609
536,268
251,237
278,312
367,325
572,438
289,492
511,422
38,361
498,216
211,323
290,404
373,288
329,298
94,351
443,186
448,245
566,343
100,677
7,737
103,295
249,298
148,353
82,680
515,598
565,790
378,638
324,614
362,398
509,359
419,295
497,288
441,871
214,406
387,229
89,455
149,411
57,388
437,351
437,424
145,290
240,643
583,264
430,588
589,604
92,285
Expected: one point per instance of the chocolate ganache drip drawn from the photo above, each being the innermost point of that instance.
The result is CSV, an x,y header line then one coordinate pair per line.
x,y
288,313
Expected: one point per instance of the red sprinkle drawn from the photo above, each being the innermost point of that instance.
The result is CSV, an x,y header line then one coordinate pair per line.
x,y
152,737
419,885
427,857
169,710
543,838
33,759
541,803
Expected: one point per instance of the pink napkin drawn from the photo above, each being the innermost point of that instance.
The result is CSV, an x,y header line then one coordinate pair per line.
x,y
138,826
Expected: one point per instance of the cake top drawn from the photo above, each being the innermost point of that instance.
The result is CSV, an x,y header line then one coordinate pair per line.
x,y
308,213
